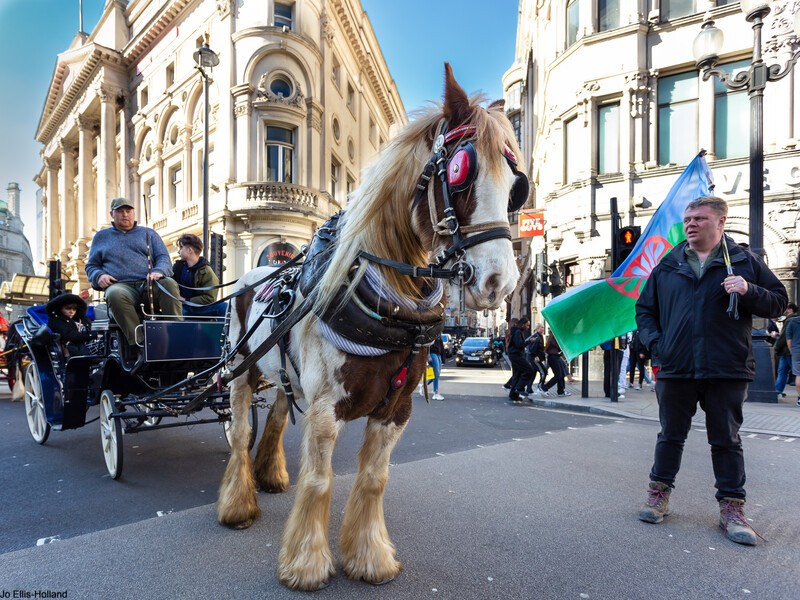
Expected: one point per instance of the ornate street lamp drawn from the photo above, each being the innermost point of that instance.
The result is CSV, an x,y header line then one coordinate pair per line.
x,y
206,60
706,48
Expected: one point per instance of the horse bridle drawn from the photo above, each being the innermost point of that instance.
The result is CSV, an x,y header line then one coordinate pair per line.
x,y
456,174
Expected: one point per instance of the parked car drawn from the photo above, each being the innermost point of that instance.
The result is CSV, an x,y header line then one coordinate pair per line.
x,y
476,351
447,342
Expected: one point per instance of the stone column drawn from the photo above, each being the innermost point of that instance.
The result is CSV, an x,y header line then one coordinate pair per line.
x,y
53,245
242,110
87,201
68,205
189,188
107,150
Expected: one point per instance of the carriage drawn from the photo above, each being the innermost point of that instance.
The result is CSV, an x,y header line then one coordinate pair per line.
x,y
159,392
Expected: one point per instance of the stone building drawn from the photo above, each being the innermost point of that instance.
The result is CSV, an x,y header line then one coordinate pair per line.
x,y
300,101
15,251
611,105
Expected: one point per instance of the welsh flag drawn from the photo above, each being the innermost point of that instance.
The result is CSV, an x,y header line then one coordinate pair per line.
x,y
599,310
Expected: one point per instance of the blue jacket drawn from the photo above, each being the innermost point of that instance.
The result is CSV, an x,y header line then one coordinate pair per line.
x,y
683,321
123,254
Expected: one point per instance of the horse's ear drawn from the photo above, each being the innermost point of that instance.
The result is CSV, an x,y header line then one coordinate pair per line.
x,y
497,104
456,103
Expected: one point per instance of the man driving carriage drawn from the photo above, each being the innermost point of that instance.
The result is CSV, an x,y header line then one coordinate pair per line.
x,y
123,260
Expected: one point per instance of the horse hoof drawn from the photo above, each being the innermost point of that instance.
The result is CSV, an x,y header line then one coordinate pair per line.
x,y
381,582
242,524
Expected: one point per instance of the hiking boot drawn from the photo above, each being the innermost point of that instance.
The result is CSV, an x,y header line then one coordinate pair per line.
x,y
733,522
656,507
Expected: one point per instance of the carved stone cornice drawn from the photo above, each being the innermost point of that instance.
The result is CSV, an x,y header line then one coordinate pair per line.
x,y
52,163
326,27
243,109
224,8
89,124
314,115
639,89
109,93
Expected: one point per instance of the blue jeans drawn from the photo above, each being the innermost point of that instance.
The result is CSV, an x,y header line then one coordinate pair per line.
x,y
721,400
436,363
784,369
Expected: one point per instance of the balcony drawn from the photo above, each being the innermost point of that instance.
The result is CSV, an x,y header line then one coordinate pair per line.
x,y
269,195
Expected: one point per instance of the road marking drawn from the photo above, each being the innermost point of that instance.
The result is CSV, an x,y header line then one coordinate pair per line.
x,y
774,437
48,540
753,435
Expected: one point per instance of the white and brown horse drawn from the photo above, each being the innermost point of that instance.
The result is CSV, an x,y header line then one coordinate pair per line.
x,y
383,219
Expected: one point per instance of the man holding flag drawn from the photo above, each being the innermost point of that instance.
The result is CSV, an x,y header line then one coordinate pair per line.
x,y
695,317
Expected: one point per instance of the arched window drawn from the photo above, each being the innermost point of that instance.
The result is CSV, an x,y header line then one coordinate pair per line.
x,y
280,154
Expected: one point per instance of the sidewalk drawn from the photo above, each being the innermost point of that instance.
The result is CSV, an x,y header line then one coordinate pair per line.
x,y
781,419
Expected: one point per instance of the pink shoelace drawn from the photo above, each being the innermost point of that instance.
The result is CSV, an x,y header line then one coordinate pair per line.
x,y
734,513
656,497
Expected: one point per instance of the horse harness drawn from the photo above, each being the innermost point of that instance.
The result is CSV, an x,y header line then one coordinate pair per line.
x,y
367,317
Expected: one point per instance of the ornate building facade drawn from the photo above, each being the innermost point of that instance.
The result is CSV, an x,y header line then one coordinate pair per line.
x,y
611,105
15,251
300,101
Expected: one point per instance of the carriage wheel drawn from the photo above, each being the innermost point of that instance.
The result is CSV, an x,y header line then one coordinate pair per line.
x,y
110,435
226,426
34,405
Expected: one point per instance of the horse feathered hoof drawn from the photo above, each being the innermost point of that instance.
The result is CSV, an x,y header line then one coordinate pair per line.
x,y
374,576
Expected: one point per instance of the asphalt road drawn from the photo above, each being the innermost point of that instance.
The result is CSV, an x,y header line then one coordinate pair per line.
x,y
485,500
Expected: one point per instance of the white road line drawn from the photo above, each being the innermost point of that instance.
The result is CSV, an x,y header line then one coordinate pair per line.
x,y
48,540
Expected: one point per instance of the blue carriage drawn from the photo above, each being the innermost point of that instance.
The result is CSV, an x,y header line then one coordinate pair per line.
x,y
159,390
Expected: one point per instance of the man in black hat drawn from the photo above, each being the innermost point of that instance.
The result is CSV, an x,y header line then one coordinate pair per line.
x,y
123,260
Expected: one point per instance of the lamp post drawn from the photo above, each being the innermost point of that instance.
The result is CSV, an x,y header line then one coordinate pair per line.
x,y
706,48
206,60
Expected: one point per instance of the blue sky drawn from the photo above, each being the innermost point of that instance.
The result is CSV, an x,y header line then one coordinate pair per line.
x,y
416,38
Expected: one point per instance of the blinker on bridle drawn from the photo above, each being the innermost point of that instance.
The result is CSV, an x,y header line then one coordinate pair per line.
x,y
457,173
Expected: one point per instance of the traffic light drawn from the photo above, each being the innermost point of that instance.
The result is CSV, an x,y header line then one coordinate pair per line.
x,y
625,242
216,257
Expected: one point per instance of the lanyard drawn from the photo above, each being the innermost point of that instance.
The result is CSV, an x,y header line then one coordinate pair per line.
x,y
733,302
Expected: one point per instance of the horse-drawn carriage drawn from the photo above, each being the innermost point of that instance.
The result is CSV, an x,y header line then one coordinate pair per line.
x,y
157,392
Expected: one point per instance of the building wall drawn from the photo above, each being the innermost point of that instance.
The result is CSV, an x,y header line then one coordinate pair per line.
x,y
563,88
125,117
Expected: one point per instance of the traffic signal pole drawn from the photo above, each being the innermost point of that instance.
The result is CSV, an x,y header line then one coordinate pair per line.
x,y
614,383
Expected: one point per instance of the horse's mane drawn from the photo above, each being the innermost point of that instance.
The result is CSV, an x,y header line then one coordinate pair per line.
x,y
378,216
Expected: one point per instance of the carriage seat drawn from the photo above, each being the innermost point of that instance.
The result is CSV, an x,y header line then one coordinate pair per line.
x,y
39,313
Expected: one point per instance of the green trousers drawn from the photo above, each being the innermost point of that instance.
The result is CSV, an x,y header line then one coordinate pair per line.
x,y
124,298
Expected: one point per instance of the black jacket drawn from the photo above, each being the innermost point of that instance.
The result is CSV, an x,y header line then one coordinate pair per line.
x,y
683,321
535,347
516,341
68,328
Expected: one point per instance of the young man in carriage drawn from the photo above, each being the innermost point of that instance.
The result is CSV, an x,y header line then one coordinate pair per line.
x,y
124,261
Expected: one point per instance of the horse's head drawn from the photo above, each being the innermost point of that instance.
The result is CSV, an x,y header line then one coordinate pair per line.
x,y
462,213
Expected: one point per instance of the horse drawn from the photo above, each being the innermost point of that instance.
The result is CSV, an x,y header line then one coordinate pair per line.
x,y
397,219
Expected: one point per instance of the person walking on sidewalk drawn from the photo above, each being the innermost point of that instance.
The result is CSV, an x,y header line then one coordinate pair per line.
x,y
519,364
534,349
558,367
783,353
695,316
793,343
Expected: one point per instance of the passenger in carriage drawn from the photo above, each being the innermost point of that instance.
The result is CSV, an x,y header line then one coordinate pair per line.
x,y
66,316
123,259
193,271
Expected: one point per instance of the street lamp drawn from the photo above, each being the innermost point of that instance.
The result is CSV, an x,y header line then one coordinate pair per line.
x,y
206,59
706,48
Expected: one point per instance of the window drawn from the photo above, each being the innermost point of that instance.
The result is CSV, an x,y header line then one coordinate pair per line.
x,y
336,73
283,15
677,119
608,139
516,123
150,197
281,87
731,116
572,149
336,168
280,154
170,74
337,130
573,21
675,9
199,169
144,97
607,15
351,186
175,186
351,98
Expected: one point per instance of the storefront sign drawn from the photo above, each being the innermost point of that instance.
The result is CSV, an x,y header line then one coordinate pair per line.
x,y
277,254
531,224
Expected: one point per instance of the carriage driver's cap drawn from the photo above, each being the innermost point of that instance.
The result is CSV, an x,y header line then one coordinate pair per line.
x,y
120,202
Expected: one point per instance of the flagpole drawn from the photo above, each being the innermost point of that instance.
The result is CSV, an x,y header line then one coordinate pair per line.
x,y
615,366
